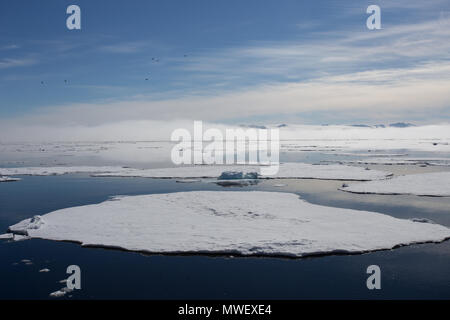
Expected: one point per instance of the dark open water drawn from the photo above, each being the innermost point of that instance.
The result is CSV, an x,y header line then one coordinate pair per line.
x,y
419,271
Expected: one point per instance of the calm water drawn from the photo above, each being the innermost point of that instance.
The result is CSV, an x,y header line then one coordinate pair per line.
x,y
420,271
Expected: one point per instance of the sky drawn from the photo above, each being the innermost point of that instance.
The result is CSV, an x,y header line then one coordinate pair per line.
x,y
233,61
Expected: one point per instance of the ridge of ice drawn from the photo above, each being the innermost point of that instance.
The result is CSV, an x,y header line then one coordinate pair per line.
x,y
23,227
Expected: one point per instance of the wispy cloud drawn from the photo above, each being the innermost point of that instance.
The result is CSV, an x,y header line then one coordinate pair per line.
x,y
16,62
332,53
127,47
9,47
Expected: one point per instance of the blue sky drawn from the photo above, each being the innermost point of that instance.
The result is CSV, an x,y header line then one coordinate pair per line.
x,y
253,61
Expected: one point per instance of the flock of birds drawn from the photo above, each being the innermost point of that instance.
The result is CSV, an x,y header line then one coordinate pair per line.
x,y
155,60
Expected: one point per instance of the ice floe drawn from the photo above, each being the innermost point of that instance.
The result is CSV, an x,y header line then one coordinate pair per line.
x,y
8,179
397,161
286,170
423,184
221,222
292,170
59,170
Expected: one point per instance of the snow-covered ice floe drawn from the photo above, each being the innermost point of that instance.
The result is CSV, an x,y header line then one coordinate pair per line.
x,y
397,161
221,222
424,184
48,171
286,171
8,179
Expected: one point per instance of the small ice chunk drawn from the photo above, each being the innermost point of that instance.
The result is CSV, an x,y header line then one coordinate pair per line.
x,y
237,175
61,292
231,175
44,270
19,237
7,236
57,294
8,179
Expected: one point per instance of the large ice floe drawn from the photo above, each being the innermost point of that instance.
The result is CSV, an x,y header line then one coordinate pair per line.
x,y
292,170
221,222
424,184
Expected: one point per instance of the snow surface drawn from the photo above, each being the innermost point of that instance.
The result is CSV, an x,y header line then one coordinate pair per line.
x,y
246,223
292,170
424,184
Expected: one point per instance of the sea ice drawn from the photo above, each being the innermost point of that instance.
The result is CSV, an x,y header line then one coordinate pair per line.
x,y
221,222
424,184
286,171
